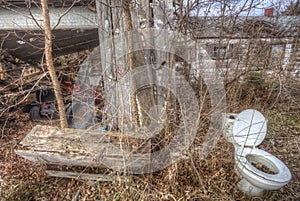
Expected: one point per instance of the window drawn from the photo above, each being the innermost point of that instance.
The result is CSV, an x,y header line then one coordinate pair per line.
x,y
222,51
277,55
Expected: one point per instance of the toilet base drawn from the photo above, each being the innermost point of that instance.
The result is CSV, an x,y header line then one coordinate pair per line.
x,y
249,189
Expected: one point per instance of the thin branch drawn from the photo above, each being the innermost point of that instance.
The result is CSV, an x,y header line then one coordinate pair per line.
x,y
66,12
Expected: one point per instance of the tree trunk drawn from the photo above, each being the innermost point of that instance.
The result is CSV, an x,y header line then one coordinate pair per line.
x,y
170,101
49,62
129,28
137,59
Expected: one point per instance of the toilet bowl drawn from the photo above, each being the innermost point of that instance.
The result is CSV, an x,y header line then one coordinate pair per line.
x,y
258,169
255,181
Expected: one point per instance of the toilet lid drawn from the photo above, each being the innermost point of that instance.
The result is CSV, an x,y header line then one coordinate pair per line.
x,y
249,128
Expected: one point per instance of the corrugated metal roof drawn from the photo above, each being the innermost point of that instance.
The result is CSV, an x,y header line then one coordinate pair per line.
x,y
54,3
22,36
22,19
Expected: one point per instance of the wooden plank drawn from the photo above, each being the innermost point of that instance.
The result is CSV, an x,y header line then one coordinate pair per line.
x,y
82,159
47,138
83,176
117,163
59,159
52,131
52,145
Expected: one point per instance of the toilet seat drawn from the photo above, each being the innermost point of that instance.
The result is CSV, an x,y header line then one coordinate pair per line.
x,y
282,175
249,128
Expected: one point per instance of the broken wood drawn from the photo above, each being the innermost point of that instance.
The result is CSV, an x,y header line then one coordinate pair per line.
x,y
88,148
10,85
83,176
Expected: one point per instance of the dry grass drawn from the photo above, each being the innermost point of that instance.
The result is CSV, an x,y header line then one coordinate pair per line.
x,y
212,178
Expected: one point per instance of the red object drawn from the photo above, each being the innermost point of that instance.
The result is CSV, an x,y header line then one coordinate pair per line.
x,y
77,88
46,106
269,12
67,83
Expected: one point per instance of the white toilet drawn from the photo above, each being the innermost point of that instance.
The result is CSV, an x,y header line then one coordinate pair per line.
x,y
246,131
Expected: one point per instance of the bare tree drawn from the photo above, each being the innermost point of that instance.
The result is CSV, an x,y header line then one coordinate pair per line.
x,y
293,8
50,65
